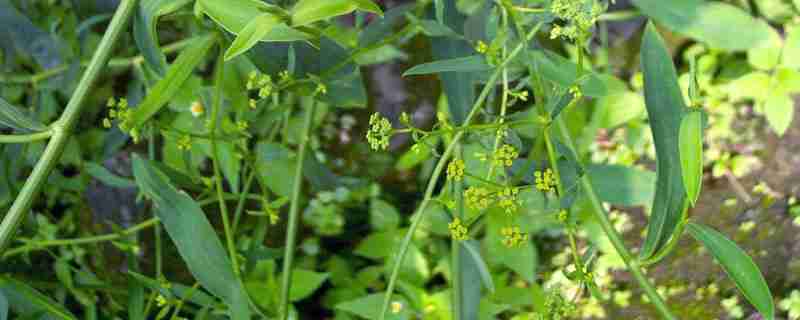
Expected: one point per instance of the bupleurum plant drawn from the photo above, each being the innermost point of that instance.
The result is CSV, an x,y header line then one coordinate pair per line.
x,y
236,174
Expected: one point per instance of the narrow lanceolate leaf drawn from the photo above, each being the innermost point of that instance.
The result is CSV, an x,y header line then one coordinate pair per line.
x,y
465,64
739,266
691,154
665,107
309,11
167,87
27,302
472,256
16,118
3,306
253,32
193,235
234,15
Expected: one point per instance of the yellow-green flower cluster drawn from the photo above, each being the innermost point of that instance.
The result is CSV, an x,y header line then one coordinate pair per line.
x,y
261,82
184,142
455,170
507,199
579,16
478,198
513,237
545,181
457,230
505,156
379,132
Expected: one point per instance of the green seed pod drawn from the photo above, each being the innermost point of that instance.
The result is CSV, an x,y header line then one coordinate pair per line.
x,y
691,153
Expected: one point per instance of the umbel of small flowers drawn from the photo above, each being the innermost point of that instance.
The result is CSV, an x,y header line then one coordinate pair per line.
x,y
545,181
380,130
505,156
513,237
457,230
579,16
455,170
478,198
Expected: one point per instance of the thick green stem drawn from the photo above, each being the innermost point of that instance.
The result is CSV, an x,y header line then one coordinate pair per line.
x,y
294,209
216,105
616,239
62,128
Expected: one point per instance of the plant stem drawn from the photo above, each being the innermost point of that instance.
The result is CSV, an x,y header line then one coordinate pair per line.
x,y
113,63
418,214
616,239
455,246
237,214
62,128
25,138
294,208
93,239
215,109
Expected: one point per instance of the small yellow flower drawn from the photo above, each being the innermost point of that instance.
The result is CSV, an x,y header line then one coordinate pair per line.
x,y
379,132
507,199
161,301
253,103
505,156
321,89
107,123
457,230
242,125
513,237
455,170
184,143
197,109
545,181
482,47
397,306
478,198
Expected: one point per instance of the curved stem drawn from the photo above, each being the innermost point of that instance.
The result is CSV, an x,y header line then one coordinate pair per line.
x,y
601,215
294,208
113,63
62,128
25,138
76,241
216,105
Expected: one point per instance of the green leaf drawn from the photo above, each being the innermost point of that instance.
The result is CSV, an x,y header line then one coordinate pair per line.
x,y
691,153
234,15
144,30
167,87
779,111
563,72
193,235
710,22
383,215
472,255
304,283
309,11
459,88
16,118
253,32
623,185
665,107
103,175
26,301
465,64
369,307
742,270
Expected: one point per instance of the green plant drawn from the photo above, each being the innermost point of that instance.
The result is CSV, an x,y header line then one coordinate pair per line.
x,y
238,124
